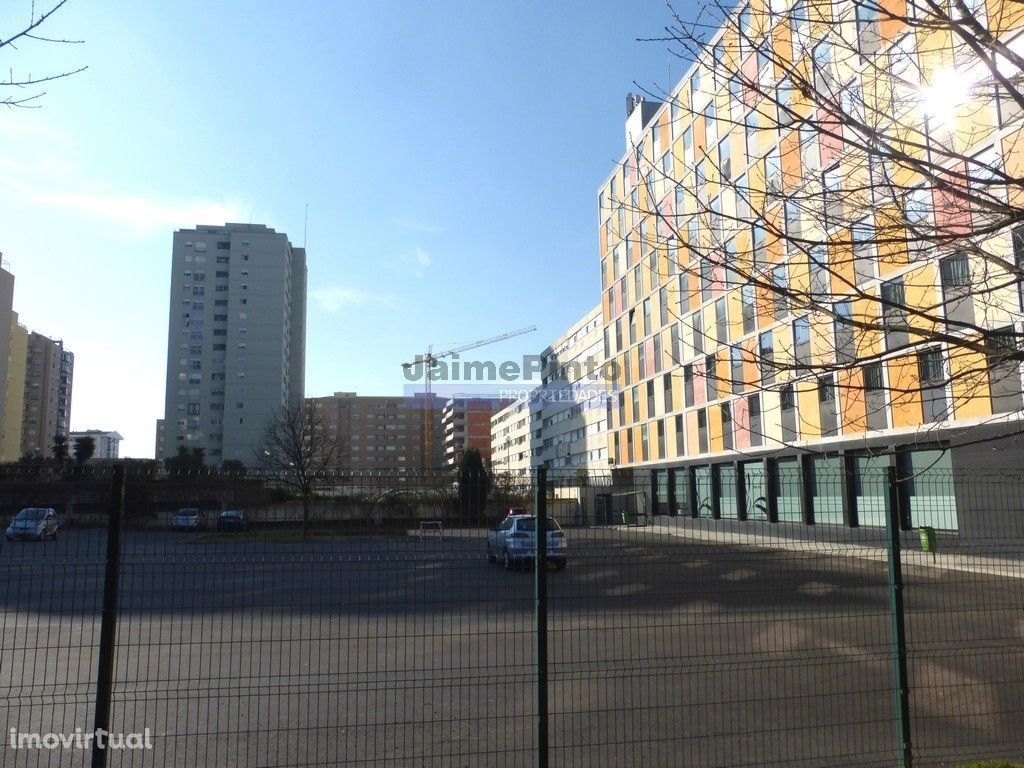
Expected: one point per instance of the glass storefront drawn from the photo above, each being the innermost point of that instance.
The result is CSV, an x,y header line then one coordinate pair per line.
x,y
826,483
788,490
705,502
728,501
756,490
871,489
929,489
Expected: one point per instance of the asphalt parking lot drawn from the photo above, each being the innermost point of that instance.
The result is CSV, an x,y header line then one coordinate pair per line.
x,y
269,651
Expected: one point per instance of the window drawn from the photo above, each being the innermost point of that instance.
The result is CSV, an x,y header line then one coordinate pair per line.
x,y
823,79
863,236
697,323
780,290
873,378
748,307
868,33
933,385
800,25
831,186
955,271
721,322
688,385
893,303
826,390
711,377
736,369
766,357
820,284
801,331
724,160
787,398
846,348
1003,354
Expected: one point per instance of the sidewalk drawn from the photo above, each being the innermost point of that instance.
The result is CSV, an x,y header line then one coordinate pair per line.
x,y
953,561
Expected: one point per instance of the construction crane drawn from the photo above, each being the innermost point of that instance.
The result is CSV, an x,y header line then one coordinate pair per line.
x,y
428,361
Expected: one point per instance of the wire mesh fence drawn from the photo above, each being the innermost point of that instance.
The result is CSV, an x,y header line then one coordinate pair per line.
x,y
703,616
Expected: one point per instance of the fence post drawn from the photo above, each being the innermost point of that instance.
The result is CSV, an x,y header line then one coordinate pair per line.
x,y
896,615
540,564
108,626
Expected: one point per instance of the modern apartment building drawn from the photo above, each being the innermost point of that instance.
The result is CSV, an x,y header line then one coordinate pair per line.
x,y
236,338
466,423
108,444
516,435
805,275
574,399
49,376
382,433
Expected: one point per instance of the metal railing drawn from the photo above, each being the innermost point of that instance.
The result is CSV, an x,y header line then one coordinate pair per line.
x,y
683,629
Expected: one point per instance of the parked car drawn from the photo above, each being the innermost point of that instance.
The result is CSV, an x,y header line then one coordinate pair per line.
x,y
514,541
188,519
232,520
33,523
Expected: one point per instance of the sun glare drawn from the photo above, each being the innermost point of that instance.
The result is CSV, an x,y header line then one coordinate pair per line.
x,y
944,94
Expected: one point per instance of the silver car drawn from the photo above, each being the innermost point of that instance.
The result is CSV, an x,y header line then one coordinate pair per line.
x,y
33,523
514,541
188,519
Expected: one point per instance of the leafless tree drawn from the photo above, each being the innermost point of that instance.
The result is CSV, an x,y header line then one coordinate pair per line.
x,y
832,208
298,448
25,90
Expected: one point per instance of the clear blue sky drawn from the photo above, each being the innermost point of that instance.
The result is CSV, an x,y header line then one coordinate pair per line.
x,y
449,152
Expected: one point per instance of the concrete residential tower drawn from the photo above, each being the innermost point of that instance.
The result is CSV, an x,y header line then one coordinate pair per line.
x,y
236,338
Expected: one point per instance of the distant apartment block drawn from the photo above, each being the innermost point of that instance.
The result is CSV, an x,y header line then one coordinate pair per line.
x,y
13,343
466,422
562,424
14,397
516,436
108,444
574,427
49,375
383,432
236,338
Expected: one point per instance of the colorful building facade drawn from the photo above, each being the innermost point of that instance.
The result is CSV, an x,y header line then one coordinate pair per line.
x,y
810,268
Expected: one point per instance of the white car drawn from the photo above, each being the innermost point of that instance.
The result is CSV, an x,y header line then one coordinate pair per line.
x,y
33,523
188,520
514,541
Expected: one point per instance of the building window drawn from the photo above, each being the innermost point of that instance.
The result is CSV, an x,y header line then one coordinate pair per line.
x,y
711,377
933,385
894,314
754,415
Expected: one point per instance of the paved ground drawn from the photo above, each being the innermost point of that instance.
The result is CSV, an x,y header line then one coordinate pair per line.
x,y
664,652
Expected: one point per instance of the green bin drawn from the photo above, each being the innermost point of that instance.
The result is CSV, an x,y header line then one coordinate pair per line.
x,y
927,539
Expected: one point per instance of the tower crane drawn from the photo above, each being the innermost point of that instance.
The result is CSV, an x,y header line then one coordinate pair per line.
x,y
428,361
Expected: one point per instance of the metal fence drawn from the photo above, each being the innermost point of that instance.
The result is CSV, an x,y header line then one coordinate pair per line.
x,y
368,627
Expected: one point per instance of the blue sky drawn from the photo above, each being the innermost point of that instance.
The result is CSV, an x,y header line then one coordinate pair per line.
x,y
449,153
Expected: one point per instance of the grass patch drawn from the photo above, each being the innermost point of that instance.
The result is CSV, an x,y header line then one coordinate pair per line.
x,y
992,764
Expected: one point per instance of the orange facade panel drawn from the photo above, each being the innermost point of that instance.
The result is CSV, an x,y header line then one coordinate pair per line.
x,y
905,391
